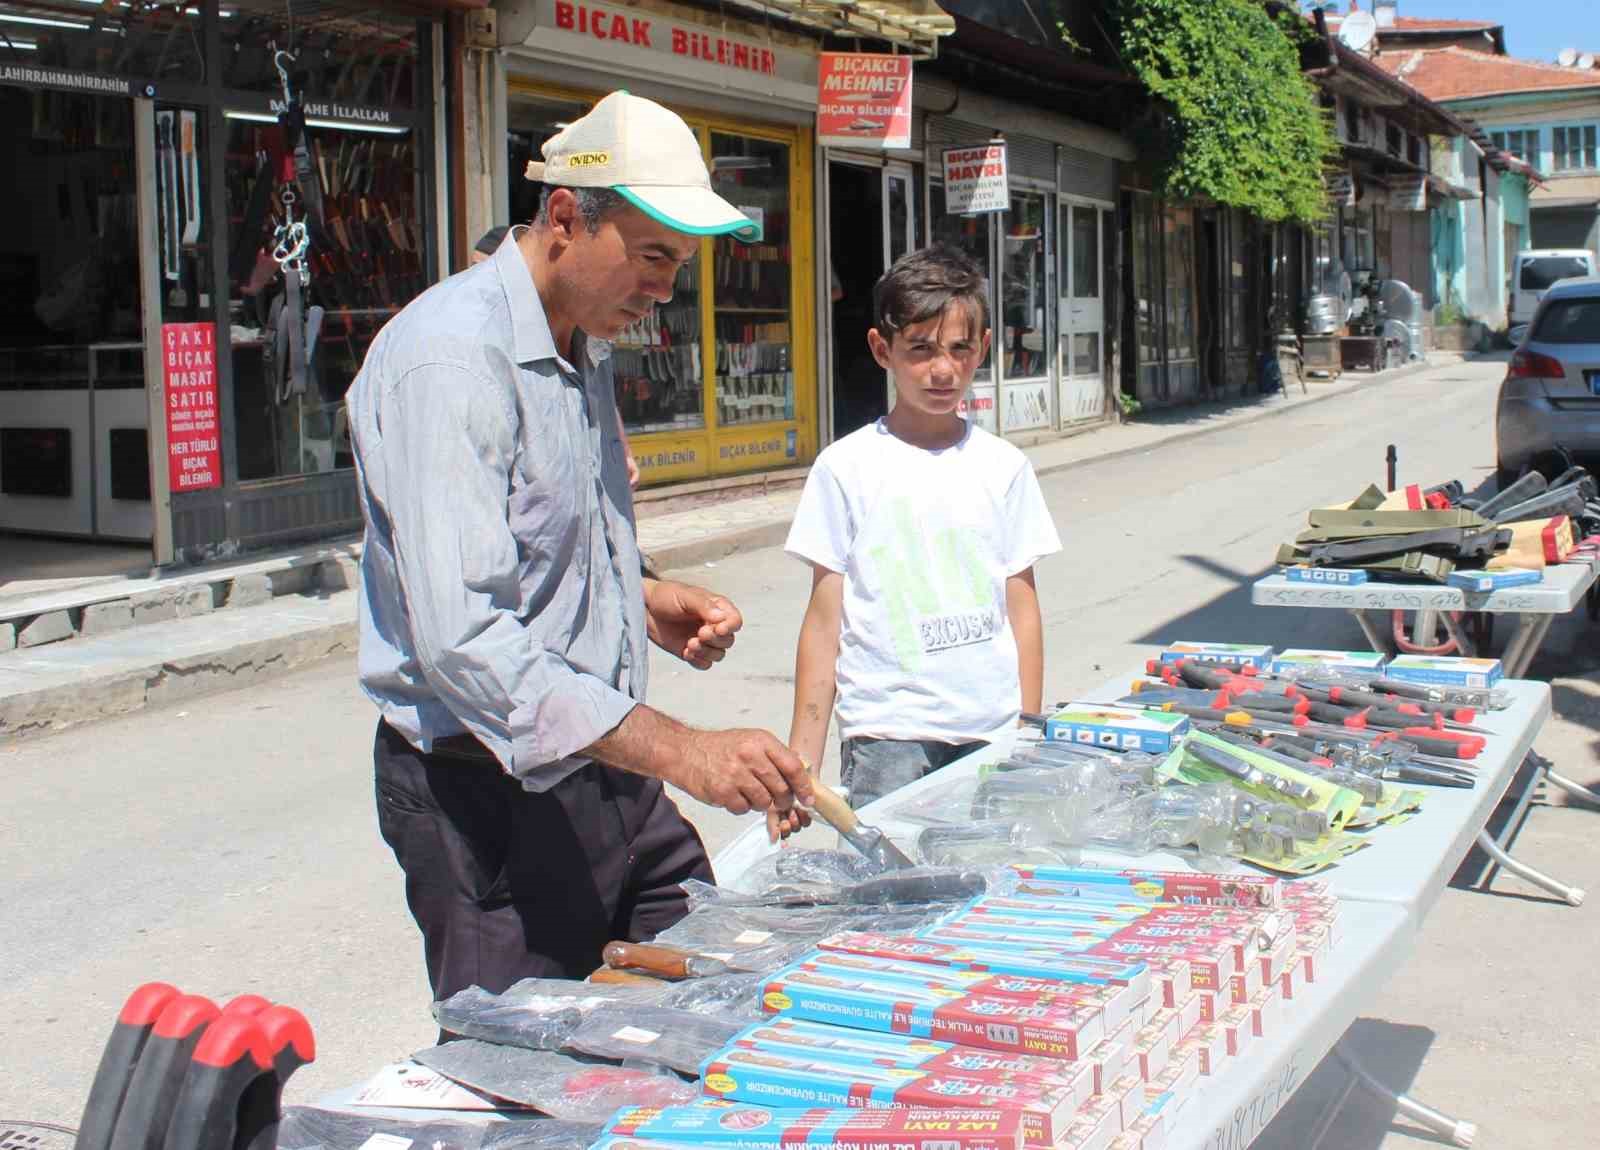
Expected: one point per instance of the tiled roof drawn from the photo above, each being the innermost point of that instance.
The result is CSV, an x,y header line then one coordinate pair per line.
x,y
1419,24
1460,74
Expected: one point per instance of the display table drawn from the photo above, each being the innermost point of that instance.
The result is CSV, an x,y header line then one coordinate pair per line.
x,y
1387,891
1534,607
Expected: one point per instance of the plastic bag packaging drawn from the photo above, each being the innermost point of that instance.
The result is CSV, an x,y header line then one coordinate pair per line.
x,y
722,996
538,1134
658,1035
1057,800
1216,819
560,1085
989,842
536,1013
312,1128
910,886
805,870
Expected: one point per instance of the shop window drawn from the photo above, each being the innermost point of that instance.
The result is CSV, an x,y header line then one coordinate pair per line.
x,y
1146,288
1024,291
364,261
1079,247
69,255
751,304
1178,224
1573,148
1240,258
137,41
969,234
368,62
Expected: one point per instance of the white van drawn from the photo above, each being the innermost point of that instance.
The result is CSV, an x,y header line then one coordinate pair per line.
x,y
1532,273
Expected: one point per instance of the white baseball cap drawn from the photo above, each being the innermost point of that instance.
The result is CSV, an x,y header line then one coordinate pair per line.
x,y
649,156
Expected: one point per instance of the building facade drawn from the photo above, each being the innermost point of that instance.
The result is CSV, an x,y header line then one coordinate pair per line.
x,y
216,207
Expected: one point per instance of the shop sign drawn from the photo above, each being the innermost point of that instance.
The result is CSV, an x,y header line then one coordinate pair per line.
x,y
863,100
1408,194
1027,406
979,407
757,450
634,35
92,83
1342,190
189,377
975,179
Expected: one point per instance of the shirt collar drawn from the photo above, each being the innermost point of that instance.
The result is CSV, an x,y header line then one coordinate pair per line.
x,y
530,326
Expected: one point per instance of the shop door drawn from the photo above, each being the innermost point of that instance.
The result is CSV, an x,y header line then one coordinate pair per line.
x,y
74,450
1083,393
872,222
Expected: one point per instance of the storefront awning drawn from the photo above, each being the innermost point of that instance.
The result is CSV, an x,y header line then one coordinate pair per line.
x,y
913,26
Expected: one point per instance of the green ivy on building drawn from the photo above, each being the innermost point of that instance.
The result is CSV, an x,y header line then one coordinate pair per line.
x,y
1235,121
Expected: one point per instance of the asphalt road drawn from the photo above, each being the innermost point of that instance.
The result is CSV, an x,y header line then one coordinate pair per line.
x,y
231,846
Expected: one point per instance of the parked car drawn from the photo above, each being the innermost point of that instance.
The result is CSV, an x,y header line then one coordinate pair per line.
x,y
1550,400
1532,274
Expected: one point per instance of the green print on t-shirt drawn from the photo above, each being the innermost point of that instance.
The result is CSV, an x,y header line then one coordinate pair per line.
x,y
911,582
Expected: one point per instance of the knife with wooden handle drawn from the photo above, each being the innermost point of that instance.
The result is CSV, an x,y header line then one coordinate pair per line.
x,y
662,961
831,806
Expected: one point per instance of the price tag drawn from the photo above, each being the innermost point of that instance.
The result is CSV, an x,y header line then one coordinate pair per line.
x,y
752,937
386,1142
636,1034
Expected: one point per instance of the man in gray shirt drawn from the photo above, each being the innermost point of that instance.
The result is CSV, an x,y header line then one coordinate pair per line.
x,y
504,614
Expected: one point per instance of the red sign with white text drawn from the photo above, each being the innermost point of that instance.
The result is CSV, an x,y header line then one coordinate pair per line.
x,y
863,100
189,373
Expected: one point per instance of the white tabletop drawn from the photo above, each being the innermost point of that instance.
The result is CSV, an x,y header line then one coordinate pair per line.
x,y
1564,585
1229,1111
1409,864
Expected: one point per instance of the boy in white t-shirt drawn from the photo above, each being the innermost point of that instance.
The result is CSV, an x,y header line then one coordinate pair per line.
x,y
922,531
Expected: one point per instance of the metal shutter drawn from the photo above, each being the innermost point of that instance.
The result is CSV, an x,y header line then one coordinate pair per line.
x,y
1086,174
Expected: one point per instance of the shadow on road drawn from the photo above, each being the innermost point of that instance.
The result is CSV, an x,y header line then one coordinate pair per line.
x,y
1232,618
1390,1053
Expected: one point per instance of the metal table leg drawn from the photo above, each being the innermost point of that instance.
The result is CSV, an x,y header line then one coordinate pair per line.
x,y
1464,645
1524,644
1376,637
1460,1132
1495,847
1576,789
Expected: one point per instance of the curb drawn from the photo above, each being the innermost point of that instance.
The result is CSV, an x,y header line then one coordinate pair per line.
x,y
694,553
1312,400
710,548
70,701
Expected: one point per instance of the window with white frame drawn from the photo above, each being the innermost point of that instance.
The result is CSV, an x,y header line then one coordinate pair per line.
x,y
1573,147
1521,142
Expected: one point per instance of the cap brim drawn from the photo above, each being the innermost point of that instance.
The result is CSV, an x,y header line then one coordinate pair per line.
x,y
693,211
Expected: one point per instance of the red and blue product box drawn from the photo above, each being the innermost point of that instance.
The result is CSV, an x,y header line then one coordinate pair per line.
x,y
1150,886
732,1126
864,1047
1121,984
769,1078
935,1009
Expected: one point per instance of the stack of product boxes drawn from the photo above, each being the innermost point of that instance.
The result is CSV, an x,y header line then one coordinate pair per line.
x,y
1078,1009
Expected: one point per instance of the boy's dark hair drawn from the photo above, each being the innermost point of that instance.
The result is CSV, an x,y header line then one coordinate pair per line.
x,y
922,284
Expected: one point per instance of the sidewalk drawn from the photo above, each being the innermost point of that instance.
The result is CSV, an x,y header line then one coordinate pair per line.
x,y
228,625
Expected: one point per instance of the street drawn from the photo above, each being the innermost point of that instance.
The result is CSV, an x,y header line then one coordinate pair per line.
x,y
231,845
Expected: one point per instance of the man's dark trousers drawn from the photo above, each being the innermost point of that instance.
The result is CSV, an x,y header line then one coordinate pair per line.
x,y
507,884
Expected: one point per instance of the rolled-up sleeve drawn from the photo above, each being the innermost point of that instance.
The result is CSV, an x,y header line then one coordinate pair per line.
x,y
450,442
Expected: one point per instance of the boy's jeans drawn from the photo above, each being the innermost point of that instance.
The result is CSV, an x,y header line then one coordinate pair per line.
x,y
871,768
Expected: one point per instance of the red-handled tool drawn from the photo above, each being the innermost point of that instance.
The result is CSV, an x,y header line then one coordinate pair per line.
x,y
231,1061
117,1063
247,1005
159,1074
292,1045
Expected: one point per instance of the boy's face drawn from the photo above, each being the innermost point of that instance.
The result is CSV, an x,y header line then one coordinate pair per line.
x,y
932,362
